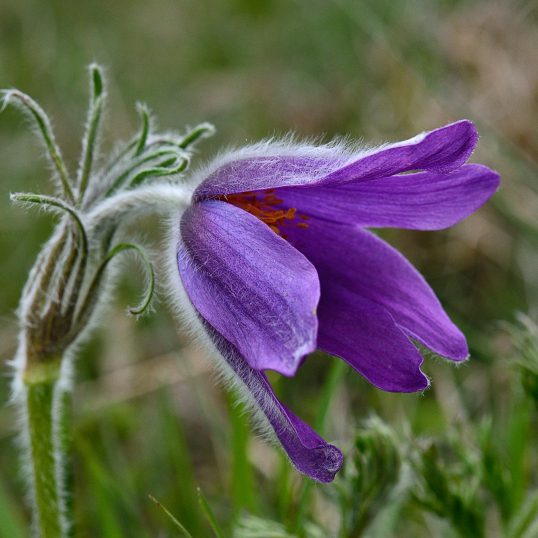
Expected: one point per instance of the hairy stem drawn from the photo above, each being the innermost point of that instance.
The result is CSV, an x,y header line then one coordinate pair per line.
x,y
41,384
65,451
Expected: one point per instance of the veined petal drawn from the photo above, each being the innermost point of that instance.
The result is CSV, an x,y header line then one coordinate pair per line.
x,y
441,150
421,201
365,335
243,173
273,165
251,285
308,452
363,264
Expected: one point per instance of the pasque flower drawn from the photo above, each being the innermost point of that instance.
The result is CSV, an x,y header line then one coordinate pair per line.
x,y
274,261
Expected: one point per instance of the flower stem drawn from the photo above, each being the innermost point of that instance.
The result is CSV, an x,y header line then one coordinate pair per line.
x,y
40,390
65,457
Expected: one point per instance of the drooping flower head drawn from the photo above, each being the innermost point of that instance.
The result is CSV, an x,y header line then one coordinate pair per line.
x,y
273,260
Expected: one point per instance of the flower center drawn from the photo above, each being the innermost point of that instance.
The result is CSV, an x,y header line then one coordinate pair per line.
x,y
265,205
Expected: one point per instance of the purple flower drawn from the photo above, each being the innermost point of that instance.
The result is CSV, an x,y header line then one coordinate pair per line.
x,y
275,260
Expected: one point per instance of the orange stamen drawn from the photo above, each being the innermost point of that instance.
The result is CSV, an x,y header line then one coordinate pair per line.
x,y
264,206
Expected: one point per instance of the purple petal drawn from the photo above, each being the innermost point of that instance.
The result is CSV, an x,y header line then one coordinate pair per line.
x,y
250,284
364,335
278,165
243,174
441,150
422,201
309,453
361,263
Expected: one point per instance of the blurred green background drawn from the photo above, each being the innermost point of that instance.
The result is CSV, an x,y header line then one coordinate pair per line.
x,y
149,417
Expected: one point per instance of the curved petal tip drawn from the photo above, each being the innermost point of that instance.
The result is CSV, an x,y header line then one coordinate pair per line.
x,y
329,461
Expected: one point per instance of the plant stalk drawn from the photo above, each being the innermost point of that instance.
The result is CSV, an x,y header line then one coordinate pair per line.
x,y
41,390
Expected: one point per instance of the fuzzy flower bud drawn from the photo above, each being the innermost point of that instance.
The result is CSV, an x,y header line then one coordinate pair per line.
x,y
67,283
72,275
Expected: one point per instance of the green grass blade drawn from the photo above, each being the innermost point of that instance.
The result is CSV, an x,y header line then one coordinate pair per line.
x,y
209,514
183,530
177,457
110,498
243,494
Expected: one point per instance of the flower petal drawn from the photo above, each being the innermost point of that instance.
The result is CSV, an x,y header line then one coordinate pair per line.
x,y
307,165
309,453
364,335
441,150
250,284
363,264
421,201
272,165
